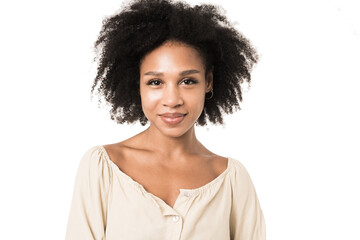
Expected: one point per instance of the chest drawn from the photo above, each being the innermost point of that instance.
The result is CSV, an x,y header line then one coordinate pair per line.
x,y
164,179
137,217
165,182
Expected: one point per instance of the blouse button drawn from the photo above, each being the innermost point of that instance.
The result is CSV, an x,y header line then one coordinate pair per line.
x,y
175,218
186,194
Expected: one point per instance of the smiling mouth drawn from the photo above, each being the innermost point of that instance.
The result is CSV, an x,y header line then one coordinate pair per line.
x,y
172,120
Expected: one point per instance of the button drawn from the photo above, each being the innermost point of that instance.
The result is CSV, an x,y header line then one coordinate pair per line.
x,y
186,194
176,218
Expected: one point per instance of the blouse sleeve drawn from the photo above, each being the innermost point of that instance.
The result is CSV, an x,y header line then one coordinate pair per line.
x,y
88,212
246,219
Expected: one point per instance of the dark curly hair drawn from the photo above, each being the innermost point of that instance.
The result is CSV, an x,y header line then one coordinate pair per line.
x,y
143,25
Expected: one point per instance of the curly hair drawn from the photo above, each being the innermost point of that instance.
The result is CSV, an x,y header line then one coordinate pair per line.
x,y
143,25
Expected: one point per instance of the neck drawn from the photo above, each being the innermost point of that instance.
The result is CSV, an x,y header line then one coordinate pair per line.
x,y
172,147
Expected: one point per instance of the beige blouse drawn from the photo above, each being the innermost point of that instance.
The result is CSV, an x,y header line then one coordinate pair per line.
x,y
108,204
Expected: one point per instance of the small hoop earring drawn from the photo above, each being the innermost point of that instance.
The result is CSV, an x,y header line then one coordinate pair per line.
x,y
212,94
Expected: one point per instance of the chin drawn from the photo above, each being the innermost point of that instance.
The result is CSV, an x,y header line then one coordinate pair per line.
x,y
173,131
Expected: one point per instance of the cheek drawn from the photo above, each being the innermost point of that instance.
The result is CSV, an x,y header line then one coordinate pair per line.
x,y
149,100
197,100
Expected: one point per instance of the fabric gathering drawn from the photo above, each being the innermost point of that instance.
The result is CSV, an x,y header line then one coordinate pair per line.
x,y
108,204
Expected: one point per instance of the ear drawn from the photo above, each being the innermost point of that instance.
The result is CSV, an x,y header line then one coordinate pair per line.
x,y
209,79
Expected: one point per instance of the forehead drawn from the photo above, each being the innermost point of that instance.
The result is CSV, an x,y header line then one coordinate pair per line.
x,y
172,54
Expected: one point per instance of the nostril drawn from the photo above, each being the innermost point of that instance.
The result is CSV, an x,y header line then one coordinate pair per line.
x,y
172,99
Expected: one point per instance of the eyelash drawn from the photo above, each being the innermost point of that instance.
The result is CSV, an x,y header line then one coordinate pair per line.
x,y
150,82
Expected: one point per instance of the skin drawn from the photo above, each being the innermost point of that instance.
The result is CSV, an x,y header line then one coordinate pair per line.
x,y
171,91
164,158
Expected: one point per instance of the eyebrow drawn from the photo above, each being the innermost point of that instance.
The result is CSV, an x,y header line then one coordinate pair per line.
x,y
183,73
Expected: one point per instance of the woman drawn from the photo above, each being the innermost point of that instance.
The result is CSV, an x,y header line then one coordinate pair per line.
x,y
174,66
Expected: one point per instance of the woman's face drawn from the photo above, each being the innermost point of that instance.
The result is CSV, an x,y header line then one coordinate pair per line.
x,y
173,87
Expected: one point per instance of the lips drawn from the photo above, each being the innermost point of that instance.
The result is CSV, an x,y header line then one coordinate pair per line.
x,y
172,115
172,118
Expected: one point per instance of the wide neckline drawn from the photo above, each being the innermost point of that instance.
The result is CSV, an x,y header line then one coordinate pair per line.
x,y
193,191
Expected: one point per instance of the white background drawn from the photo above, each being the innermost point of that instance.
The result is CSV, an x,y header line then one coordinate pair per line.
x,y
297,133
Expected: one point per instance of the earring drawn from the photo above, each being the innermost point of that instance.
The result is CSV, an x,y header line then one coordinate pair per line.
x,y
212,94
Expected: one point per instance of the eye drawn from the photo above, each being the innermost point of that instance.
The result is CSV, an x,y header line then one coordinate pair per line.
x,y
189,81
154,82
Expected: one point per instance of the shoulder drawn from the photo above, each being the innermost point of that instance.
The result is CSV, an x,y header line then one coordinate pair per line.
x,y
219,164
116,148
93,153
94,161
237,166
119,152
240,177
90,155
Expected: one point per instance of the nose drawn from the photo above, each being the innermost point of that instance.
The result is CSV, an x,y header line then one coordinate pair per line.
x,y
172,97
